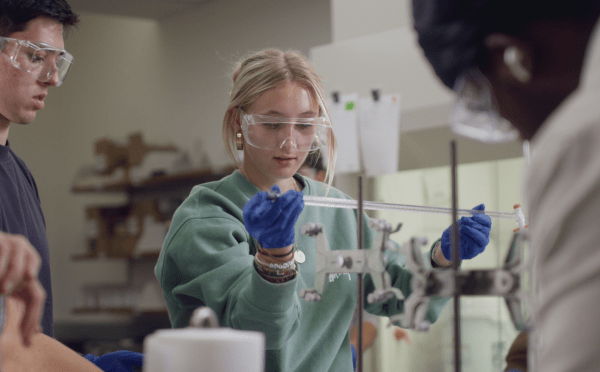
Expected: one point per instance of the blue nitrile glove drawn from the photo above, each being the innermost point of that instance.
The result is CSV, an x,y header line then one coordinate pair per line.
x,y
117,361
474,233
270,218
353,356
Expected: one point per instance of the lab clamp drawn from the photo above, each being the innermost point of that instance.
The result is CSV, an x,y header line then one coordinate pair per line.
x,y
353,261
426,281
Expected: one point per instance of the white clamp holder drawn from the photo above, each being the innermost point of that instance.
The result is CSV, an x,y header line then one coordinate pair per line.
x,y
370,261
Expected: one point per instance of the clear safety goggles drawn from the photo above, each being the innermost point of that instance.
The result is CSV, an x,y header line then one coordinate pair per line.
x,y
272,133
40,60
475,113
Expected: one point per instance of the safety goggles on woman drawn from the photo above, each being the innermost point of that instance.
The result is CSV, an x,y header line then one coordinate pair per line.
x,y
41,60
272,133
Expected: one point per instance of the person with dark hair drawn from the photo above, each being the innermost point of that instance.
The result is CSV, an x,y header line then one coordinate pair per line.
x,y
534,64
33,60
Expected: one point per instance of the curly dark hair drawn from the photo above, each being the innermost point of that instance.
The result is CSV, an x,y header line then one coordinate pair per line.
x,y
451,32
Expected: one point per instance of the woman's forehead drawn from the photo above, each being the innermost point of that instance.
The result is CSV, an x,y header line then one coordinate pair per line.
x,y
289,99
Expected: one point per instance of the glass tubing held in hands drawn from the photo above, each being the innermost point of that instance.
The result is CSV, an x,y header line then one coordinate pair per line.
x,y
321,201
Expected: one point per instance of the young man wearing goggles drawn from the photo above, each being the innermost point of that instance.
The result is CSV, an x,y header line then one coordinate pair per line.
x,y
33,60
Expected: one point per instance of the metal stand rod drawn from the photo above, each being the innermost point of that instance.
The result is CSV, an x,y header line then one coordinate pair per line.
x,y
359,352
455,260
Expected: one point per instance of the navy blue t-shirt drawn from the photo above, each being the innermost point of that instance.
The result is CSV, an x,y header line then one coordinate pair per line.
x,y
21,213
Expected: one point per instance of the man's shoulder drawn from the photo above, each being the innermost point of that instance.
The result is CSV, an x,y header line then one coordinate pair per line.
x,y
14,165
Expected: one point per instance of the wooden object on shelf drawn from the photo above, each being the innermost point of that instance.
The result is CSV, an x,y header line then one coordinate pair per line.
x,y
117,156
127,236
114,232
102,221
137,149
113,156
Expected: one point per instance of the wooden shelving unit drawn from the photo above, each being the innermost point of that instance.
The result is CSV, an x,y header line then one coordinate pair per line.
x,y
159,186
157,183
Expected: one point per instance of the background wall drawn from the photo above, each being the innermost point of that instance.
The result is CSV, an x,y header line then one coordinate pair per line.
x,y
355,18
168,79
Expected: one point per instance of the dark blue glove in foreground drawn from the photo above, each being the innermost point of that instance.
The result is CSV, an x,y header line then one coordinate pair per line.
x,y
270,220
353,356
117,361
474,233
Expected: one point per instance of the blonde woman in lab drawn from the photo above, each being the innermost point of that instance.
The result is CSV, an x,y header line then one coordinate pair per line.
x,y
227,237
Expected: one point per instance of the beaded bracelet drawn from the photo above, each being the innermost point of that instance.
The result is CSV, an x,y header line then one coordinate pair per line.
x,y
276,266
274,278
270,272
275,275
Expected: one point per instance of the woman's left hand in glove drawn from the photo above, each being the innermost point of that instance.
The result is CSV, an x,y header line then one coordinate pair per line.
x,y
474,233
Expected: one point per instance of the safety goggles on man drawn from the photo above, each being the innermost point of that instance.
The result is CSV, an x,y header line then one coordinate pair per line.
x,y
475,113
272,133
40,60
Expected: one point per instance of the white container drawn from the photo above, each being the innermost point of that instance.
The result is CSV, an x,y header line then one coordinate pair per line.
x,y
204,350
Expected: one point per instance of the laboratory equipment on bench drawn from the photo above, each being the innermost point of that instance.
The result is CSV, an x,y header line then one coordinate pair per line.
x,y
426,281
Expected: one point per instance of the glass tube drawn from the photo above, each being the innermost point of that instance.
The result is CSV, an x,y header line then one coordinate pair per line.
x,y
321,201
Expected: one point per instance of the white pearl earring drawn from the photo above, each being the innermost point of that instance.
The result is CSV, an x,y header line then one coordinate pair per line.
x,y
513,58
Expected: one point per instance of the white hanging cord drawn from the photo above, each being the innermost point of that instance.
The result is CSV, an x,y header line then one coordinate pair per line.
x,y
321,201
527,152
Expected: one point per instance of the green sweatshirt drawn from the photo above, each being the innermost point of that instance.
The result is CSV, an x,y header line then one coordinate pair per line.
x,y
207,260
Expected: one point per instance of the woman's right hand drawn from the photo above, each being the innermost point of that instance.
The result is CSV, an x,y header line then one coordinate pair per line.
x,y
270,217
